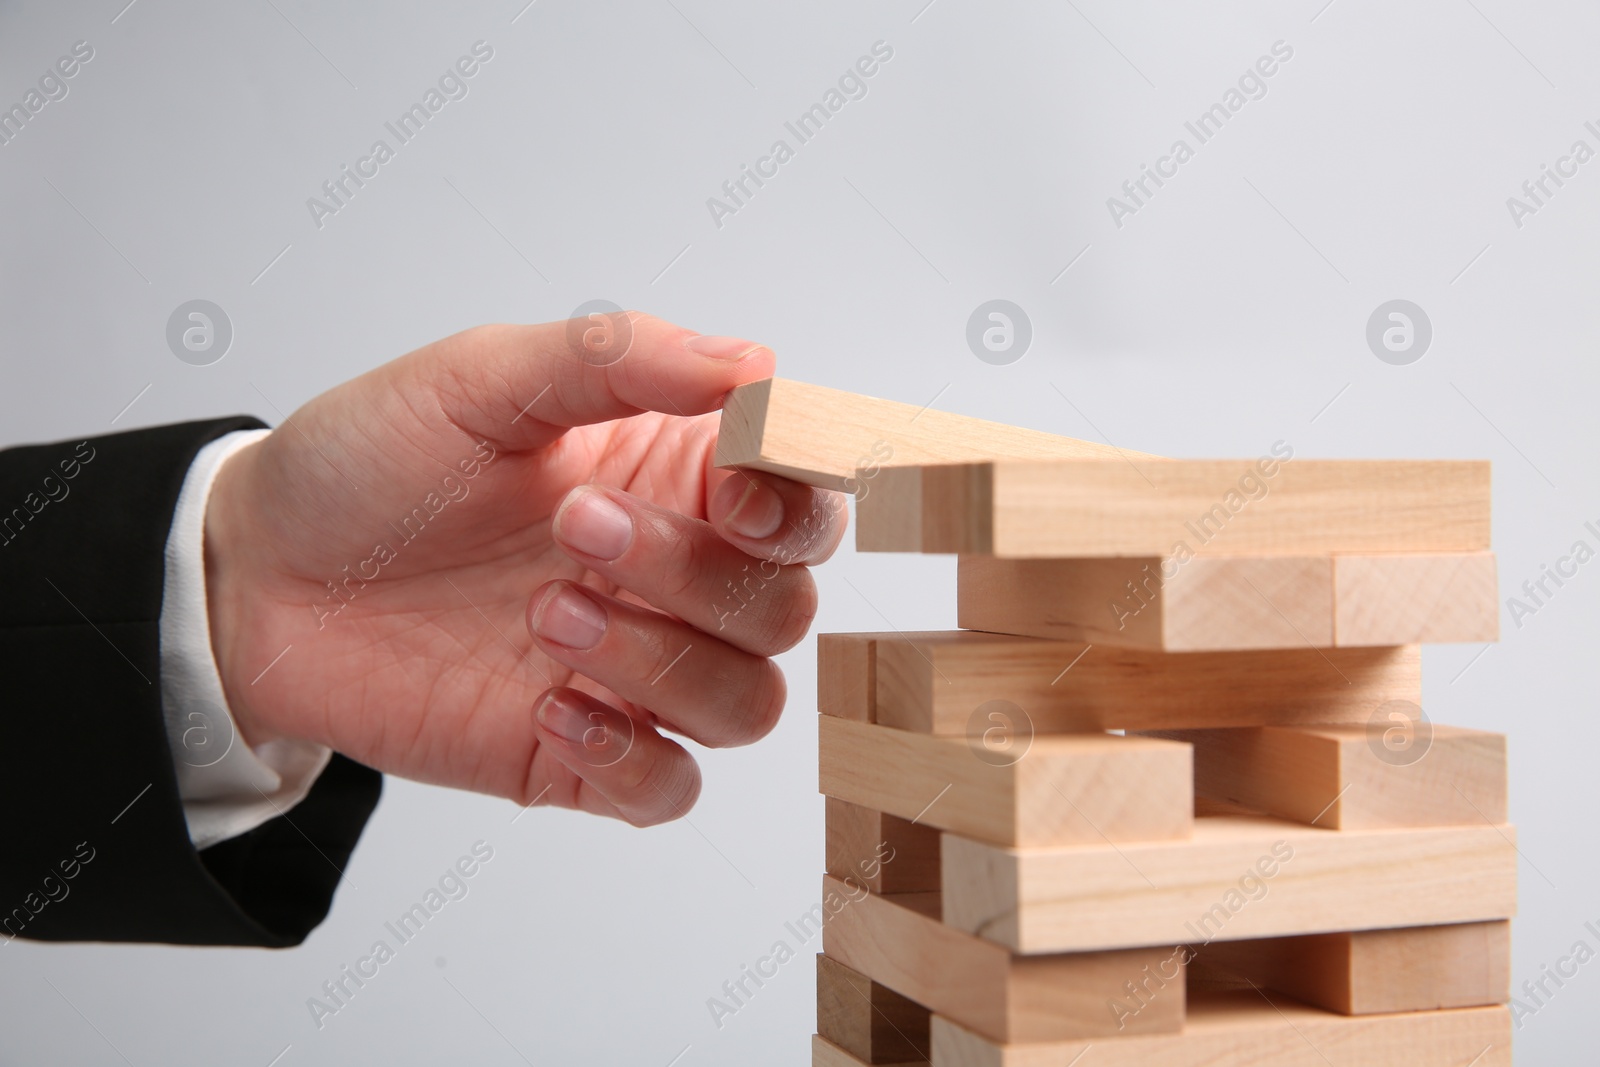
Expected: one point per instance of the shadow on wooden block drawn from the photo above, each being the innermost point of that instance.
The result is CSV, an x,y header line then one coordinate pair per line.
x,y
870,1021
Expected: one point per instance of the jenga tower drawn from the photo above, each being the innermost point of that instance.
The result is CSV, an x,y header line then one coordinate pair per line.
x,y
1169,796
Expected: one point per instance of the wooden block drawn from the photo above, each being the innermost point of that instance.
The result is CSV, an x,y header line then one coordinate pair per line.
x,y
1417,968
823,437
1022,509
1412,599
845,685
933,683
882,852
1333,776
825,1053
1244,1029
1061,789
870,1021
1235,602
899,941
1209,603
1238,877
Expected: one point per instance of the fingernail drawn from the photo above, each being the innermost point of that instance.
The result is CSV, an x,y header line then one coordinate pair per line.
x,y
594,524
599,736
573,724
569,618
729,348
758,513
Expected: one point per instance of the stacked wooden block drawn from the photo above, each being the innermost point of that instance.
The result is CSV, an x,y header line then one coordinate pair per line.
x,y
1168,797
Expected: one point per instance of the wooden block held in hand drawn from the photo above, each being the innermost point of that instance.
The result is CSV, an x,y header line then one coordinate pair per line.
x,y
1351,777
1365,972
1056,789
885,853
823,437
870,1021
1241,1029
1054,509
932,683
900,942
1209,603
1238,877
1415,599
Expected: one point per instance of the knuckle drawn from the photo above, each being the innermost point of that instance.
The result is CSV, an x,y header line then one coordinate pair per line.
x,y
767,700
663,788
749,587
813,535
682,561
756,709
635,772
770,608
790,616
487,333
666,656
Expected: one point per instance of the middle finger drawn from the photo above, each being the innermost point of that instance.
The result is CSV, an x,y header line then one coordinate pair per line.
x,y
700,686
682,566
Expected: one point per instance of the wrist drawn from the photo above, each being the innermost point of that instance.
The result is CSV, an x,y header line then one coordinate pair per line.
x,y
227,585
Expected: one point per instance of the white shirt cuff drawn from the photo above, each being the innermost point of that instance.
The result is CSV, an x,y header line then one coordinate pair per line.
x,y
227,788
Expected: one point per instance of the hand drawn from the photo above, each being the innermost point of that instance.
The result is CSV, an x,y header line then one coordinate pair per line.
x,y
504,567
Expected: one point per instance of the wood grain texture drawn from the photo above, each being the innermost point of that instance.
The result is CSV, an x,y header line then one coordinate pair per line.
x,y
1416,599
899,942
931,682
1210,603
870,1021
1366,972
1244,1030
823,437
845,679
882,852
1022,509
1334,777
825,1053
1056,789
1238,877
1235,602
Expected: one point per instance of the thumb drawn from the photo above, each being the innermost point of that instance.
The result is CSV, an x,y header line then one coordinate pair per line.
x,y
521,387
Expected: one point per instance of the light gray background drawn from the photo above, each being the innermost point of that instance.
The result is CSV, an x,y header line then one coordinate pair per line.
x,y
1228,313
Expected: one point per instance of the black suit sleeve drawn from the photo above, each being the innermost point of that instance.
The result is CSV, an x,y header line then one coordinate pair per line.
x,y
96,846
